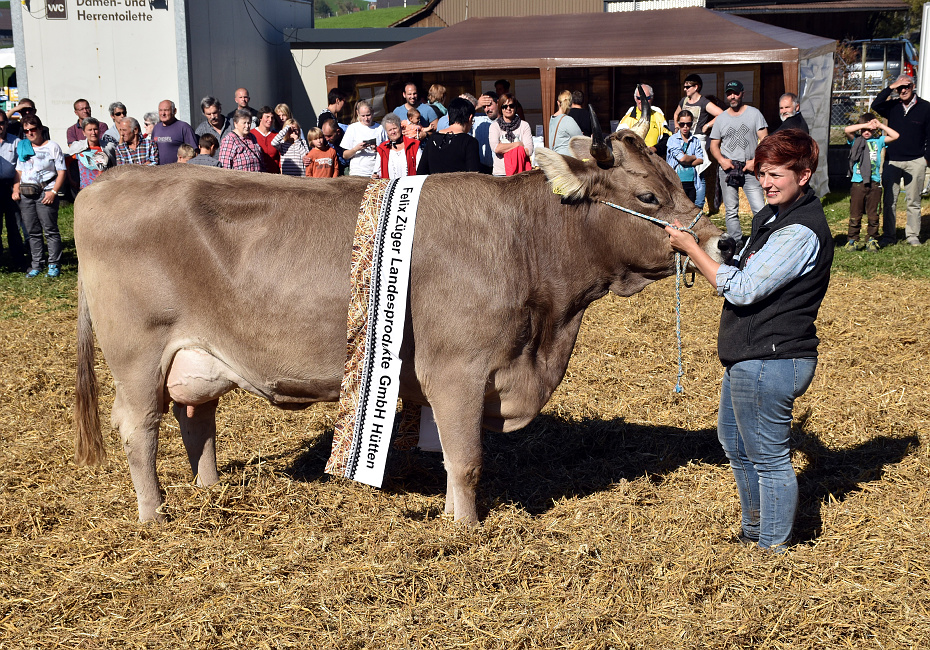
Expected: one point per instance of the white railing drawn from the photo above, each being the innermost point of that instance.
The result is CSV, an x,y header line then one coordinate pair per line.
x,y
644,5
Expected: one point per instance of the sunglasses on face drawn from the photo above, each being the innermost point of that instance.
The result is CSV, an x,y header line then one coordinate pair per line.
x,y
906,87
684,124
30,130
690,85
118,114
506,106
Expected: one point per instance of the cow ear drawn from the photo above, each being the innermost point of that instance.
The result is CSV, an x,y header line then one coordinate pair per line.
x,y
569,177
580,147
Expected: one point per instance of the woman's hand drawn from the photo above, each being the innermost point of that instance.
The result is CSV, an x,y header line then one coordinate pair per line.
x,y
684,242
681,241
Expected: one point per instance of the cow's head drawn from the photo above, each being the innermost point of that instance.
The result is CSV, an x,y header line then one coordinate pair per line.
x,y
622,170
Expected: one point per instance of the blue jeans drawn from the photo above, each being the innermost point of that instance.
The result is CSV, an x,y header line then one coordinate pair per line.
x,y
699,195
754,427
754,194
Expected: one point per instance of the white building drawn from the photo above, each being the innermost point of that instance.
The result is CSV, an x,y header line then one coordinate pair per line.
x,y
141,52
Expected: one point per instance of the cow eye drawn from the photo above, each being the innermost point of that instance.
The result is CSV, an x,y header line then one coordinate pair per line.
x,y
648,198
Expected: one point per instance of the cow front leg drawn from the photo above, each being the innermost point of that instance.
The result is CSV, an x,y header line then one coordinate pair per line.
x,y
460,435
198,431
138,429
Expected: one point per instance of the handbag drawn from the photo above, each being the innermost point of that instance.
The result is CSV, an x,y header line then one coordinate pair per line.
x,y
30,190
554,133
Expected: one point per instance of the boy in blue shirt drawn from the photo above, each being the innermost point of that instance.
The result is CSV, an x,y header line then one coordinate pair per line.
x,y
865,167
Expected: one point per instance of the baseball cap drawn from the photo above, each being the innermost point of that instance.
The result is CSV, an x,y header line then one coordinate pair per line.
x,y
736,86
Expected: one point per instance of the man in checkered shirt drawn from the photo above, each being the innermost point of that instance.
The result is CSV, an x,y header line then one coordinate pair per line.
x,y
133,149
239,150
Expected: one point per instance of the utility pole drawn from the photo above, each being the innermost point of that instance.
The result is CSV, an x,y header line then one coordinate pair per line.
x,y
923,66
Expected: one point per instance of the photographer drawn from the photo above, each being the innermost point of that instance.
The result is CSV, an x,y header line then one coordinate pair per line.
x,y
361,140
731,139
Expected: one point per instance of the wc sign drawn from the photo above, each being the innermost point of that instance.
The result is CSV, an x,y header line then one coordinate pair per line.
x,y
56,9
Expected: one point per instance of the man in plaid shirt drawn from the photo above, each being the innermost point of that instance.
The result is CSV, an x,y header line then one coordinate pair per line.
x,y
239,150
133,148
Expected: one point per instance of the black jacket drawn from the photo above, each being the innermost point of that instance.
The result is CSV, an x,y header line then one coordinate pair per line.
x,y
781,325
582,118
449,152
913,128
796,121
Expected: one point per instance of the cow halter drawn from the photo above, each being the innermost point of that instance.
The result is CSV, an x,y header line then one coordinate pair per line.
x,y
681,262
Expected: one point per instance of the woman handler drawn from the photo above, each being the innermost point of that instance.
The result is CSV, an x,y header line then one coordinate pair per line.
x,y
767,340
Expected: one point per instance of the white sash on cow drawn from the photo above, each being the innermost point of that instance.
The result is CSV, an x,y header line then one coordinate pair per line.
x,y
387,313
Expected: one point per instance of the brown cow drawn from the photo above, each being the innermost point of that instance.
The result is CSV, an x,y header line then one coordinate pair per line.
x,y
198,281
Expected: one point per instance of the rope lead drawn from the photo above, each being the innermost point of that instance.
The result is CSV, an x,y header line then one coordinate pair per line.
x,y
680,264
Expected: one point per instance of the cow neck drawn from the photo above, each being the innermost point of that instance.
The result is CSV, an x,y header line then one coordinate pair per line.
x,y
563,266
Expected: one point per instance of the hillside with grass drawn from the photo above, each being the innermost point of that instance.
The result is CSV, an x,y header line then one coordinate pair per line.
x,y
369,18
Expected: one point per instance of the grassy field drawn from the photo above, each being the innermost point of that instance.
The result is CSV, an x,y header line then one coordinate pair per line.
x,y
369,18
607,523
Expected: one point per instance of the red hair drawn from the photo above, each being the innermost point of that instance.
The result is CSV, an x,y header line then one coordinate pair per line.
x,y
791,148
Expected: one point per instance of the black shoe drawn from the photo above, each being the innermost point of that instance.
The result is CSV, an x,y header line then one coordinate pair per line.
x,y
745,540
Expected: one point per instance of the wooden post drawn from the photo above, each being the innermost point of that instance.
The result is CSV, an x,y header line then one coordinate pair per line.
x,y
790,73
547,88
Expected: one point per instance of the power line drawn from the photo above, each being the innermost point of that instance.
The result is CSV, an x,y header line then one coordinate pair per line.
x,y
246,4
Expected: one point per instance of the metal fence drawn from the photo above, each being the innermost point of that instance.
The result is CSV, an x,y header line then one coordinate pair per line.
x,y
853,91
845,109
857,78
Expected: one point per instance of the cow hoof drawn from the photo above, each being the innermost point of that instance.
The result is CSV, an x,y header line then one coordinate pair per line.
x,y
471,522
154,517
206,481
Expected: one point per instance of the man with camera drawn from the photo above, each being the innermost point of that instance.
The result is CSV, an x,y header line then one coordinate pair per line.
x,y
733,141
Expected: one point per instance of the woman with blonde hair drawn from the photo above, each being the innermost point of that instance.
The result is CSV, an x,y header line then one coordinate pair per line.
x,y
293,147
562,126
435,98
283,114
361,140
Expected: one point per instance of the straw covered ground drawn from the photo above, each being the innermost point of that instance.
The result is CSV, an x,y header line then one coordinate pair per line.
x,y
609,522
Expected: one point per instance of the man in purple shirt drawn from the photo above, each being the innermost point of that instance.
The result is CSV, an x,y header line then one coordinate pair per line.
x,y
82,110
170,133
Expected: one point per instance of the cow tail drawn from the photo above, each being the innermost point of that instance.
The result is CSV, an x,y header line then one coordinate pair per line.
x,y
88,440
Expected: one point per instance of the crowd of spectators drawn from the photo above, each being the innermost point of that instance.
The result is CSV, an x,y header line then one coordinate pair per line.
x,y
709,143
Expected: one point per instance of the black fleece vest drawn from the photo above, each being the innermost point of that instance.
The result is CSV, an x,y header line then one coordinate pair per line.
x,y
781,325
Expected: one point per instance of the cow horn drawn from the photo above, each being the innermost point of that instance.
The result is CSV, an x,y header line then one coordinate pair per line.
x,y
601,150
641,128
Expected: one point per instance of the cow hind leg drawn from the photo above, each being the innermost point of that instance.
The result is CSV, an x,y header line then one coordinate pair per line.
x,y
138,428
459,427
198,431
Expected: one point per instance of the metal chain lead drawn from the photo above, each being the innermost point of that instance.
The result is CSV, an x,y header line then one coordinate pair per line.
x,y
680,263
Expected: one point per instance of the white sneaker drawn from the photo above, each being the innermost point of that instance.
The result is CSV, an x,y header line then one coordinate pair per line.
x,y
913,241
